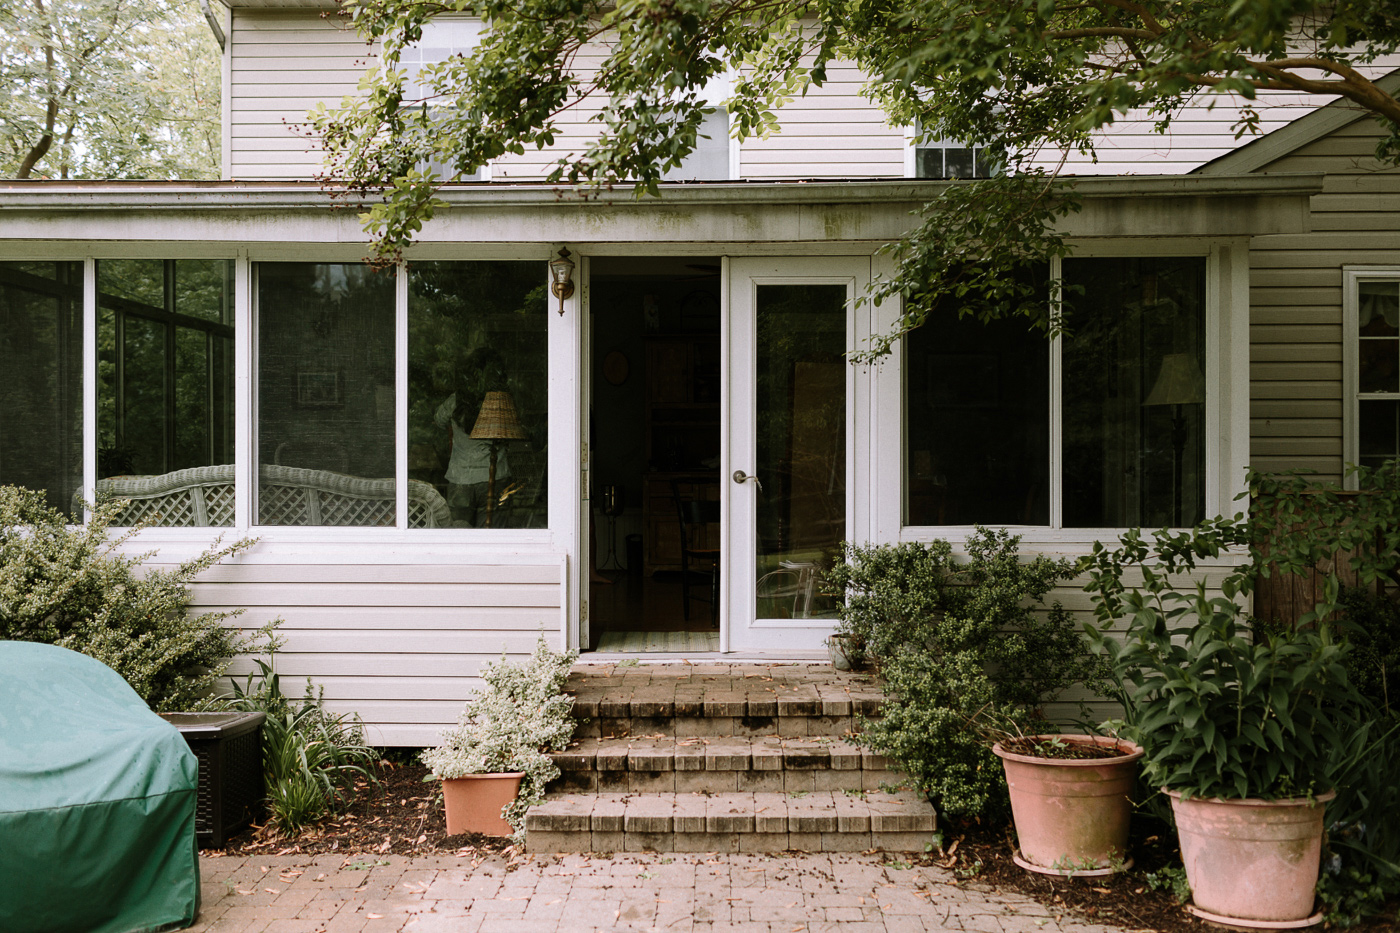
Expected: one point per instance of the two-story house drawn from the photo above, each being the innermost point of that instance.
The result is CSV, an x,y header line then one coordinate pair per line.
x,y
443,462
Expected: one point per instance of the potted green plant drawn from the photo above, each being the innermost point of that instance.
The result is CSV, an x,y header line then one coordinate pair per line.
x,y
1071,801
1244,726
493,765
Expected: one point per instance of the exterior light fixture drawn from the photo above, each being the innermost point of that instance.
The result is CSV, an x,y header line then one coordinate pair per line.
x,y
561,272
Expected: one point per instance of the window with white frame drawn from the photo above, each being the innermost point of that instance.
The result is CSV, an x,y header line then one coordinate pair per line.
x,y
936,158
1372,336
711,159
443,38
41,394
1103,427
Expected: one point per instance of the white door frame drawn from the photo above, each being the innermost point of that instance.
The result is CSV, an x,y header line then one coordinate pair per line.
x,y
740,630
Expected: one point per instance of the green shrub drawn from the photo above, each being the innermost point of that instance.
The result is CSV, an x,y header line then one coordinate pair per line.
x,y
963,646
312,759
68,585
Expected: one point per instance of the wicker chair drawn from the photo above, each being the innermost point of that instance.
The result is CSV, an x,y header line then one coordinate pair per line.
x,y
288,496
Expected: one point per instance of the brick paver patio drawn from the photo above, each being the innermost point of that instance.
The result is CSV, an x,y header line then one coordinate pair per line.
x,y
680,893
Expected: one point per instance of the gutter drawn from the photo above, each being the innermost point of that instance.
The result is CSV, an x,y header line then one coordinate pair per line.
x,y
244,196
213,22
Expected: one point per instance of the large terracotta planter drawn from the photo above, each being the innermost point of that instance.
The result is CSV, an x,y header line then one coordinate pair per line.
x,y
1252,863
473,803
1072,814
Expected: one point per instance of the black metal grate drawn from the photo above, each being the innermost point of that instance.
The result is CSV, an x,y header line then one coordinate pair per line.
x,y
230,794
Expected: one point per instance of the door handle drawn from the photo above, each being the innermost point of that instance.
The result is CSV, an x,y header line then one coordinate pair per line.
x,y
740,476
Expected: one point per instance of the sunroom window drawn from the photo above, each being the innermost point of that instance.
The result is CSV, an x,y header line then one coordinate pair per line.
x,y
1102,428
326,401
478,391
165,389
41,394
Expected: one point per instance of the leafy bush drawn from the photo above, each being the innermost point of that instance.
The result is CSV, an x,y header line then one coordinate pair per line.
x,y
521,714
67,585
962,646
1373,626
311,758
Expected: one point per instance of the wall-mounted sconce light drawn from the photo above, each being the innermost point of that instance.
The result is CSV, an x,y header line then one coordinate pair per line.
x,y
561,271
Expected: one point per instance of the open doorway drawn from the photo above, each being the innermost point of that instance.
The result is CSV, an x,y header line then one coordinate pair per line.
x,y
655,432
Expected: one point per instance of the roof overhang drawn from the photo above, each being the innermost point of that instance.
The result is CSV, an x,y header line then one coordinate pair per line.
x,y
816,214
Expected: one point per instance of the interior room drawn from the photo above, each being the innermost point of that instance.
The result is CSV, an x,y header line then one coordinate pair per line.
x,y
655,432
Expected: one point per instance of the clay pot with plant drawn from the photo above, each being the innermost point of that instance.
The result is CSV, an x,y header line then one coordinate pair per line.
x,y
1245,727
494,765
1071,801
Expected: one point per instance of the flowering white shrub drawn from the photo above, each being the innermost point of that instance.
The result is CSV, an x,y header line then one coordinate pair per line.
x,y
509,725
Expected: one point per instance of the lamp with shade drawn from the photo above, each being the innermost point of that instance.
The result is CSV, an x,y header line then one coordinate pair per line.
x,y
497,423
1178,383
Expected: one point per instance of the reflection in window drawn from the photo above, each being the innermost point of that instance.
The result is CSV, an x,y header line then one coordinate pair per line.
x,y
978,434
1134,393
801,444
41,357
478,389
1378,371
325,375
165,389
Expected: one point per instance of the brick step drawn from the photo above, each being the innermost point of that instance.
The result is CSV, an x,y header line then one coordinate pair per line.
x,y
720,764
821,821
720,700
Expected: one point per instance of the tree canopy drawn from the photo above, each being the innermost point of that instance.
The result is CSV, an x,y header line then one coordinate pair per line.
x,y
1020,78
108,89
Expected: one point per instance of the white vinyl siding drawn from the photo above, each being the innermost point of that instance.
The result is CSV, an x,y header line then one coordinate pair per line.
x,y
282,65
401,644
830,132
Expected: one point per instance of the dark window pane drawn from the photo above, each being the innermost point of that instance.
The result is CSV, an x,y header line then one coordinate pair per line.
x,y
978,423
1134,393
957,162
928,163
801,443
1378,309
164,396
325,395
41,357
478,379
1379,438
1380,366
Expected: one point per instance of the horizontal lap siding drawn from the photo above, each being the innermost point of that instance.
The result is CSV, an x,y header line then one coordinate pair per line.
x,y
282,65
401,645
1296,300
830,132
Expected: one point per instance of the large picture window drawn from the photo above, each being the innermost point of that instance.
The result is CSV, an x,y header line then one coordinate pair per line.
x,y
985,419
41,357
478,389
165,389
326,401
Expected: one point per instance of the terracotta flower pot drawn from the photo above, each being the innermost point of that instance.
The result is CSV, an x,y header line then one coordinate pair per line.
x,y
473,803
1252,863
1072,814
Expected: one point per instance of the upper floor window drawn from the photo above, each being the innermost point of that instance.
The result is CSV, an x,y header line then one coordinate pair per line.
x,y
1372,373
948,159
712,158
1102,428
443,38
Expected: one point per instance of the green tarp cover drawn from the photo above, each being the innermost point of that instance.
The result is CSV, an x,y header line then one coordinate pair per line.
x,y
97,797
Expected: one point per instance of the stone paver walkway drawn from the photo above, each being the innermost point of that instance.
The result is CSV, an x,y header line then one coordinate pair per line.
x,y
579,893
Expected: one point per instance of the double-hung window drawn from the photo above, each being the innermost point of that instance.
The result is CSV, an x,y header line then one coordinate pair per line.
x,y
1371,338
1102,427
442,39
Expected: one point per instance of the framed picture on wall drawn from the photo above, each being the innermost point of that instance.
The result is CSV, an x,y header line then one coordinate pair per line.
x,y
319,389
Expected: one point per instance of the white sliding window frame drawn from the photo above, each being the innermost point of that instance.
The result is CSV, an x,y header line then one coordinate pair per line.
x,y
1226,412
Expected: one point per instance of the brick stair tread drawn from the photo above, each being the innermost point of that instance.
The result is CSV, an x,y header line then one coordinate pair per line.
x,y
717,753
817,812
732,822
720,690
